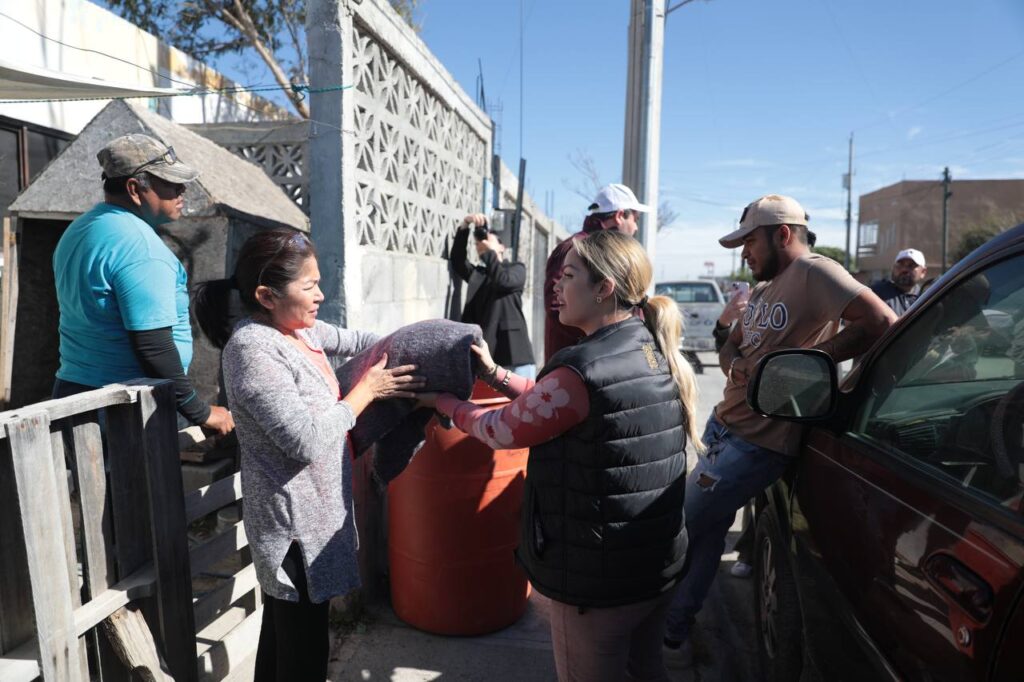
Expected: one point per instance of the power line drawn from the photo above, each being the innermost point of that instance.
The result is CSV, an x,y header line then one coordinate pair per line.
x,y
194,92
952,89
129,63
99,52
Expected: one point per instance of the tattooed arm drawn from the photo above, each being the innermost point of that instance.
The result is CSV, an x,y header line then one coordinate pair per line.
x,y
548,409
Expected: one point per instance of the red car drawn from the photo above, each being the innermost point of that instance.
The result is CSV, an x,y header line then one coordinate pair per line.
x,y
893,547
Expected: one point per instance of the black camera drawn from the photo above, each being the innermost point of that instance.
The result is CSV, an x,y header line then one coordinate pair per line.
x,y
480,233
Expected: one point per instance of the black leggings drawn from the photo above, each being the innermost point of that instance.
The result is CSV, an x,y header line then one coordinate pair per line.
x,y
294,638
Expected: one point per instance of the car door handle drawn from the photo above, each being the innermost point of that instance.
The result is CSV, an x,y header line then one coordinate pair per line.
x,y
963,585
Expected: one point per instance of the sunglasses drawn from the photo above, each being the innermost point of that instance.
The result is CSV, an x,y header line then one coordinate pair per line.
x,y
167,158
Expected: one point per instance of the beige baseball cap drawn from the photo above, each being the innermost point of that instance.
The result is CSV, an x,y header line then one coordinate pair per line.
x,y
127,155
771,209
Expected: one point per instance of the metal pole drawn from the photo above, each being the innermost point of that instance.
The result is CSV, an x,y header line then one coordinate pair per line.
x,y
326,207
945,218
519,211
640,157
849,200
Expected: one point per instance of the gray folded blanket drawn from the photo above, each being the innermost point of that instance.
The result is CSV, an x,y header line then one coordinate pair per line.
x,y
440,350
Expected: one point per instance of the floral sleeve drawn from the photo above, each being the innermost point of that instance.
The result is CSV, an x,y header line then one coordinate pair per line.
x,y
549,408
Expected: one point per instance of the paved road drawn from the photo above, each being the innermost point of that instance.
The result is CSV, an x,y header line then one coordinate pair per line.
x,y
382,648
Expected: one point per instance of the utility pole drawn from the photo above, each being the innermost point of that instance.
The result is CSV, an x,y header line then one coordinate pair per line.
x,y
328,163
643,111
848,182
946,194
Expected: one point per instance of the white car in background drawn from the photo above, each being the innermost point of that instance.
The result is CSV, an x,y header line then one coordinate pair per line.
x,y
701,303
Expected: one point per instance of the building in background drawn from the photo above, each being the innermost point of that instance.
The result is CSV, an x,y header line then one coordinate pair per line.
x,y
908,214
56,49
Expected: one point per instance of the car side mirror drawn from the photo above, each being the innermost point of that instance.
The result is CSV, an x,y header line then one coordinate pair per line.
x,y
797,384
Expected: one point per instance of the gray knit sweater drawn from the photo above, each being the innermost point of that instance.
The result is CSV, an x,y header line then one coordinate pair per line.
x,y
296,464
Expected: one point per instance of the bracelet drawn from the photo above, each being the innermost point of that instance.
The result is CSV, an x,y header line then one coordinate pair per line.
x,y
508,377
491,376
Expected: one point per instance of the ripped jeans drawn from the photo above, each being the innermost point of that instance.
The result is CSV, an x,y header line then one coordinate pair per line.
x,y
727,475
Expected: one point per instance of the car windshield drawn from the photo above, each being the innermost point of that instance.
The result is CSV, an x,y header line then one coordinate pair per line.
x,y
687,292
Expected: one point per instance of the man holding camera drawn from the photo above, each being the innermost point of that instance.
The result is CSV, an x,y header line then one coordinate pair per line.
x,y
494,296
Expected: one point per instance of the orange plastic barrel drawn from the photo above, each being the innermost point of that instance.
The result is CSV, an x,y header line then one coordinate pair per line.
x,y
453,523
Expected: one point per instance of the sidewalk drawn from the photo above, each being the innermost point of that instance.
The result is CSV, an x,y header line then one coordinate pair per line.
x,y
384,649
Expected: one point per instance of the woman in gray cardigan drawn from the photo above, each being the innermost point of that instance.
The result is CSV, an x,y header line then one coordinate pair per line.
x,y
292,425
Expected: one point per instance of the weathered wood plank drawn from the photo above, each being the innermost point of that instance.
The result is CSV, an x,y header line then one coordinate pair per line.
x,y
10,305
22,664
60,470
128,497
167,523
212,604
234,652
133,644
97,539
218,547
208,499
44,545
4,375
62,408
137,586
16,624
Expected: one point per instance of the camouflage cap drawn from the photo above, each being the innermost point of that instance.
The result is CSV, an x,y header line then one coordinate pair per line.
x,y
129,154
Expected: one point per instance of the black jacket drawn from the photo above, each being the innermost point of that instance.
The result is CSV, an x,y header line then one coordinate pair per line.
x,y
602,520
893,296
494,300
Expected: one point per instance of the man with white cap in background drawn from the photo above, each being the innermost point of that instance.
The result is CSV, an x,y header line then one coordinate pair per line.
x,y
798,302
614,208
904,285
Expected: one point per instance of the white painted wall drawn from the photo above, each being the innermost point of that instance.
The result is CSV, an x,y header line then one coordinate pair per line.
x,y
81,24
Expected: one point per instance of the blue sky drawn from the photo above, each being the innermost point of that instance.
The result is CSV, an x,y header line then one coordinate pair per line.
x,y
759,96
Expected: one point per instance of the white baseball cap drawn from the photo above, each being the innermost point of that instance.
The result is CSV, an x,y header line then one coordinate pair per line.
x,y
617,197
912,254
771,209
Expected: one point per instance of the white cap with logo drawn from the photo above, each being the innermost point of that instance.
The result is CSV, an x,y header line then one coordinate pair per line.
x,y
912,254
771,209
617,197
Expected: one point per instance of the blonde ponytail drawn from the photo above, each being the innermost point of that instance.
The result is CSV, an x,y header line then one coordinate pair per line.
x,y
612,255
661,315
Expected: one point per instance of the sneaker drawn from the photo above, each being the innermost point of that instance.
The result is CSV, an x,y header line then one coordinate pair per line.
x,y
677,655
741,569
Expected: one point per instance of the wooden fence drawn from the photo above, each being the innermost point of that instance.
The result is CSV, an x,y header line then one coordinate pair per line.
x,y
73,555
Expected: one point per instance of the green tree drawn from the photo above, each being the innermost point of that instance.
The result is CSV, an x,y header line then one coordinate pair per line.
x,y
206,29
742,275
984,228
972,239
835,253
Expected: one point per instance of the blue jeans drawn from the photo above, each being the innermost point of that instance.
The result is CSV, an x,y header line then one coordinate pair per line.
x,y
727,475
525,371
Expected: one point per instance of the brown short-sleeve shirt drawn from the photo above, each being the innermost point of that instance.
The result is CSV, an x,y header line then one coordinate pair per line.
x,y
800,308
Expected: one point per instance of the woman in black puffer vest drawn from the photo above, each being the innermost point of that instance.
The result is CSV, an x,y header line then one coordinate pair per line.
x,y
607,422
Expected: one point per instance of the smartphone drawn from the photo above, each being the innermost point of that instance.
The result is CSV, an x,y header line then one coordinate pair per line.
x,y
741,289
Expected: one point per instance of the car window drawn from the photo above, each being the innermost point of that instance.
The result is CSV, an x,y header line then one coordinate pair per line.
x,y
948,391
687,292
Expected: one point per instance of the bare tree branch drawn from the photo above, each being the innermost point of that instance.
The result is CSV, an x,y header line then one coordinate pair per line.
x,y
666,215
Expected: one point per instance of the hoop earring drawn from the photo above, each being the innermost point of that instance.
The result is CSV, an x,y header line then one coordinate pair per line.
x,y
598,299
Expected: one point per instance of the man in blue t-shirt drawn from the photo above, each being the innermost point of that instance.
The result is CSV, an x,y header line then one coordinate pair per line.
x,y
123,295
